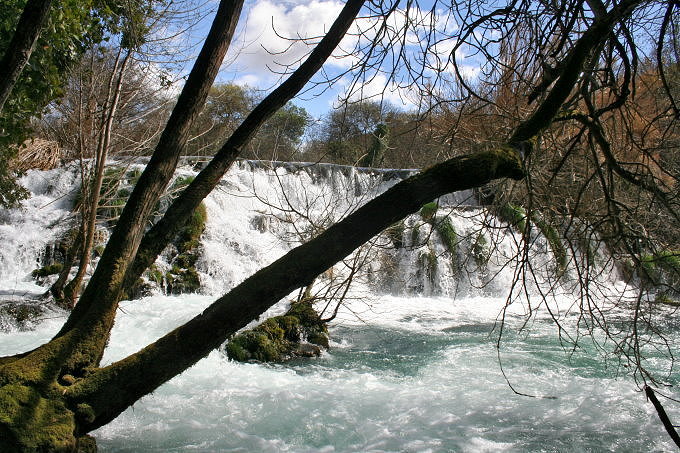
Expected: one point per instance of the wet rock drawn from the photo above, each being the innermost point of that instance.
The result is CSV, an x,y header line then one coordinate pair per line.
x,y
298,333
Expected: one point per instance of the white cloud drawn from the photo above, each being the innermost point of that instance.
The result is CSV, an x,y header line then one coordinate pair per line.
x,y
376,89
265,43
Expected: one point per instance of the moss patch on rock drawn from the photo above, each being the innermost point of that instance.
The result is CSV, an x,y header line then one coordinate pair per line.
x,y
45,271
281,337
188,238
428,211
182,276
449,237
514,215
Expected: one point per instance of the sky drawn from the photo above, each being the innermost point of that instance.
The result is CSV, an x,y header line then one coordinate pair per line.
x,y
260,49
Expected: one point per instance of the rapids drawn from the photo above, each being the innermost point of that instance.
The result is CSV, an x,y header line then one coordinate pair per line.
x,y
415,364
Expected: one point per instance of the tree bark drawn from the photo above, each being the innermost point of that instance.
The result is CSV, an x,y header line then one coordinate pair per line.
x,y
21,47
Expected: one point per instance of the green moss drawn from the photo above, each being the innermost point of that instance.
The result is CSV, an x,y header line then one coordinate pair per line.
x,y
155,275
514,215
449,237
183,277
86,444
480,250
447,233
44,271
277,338
182,281
85,413
98,250
427,263
188,238
30,422
662,267
429,210
22,315
181,182
665,299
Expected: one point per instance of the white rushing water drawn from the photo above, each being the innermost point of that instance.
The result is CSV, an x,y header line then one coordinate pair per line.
x,y
413,364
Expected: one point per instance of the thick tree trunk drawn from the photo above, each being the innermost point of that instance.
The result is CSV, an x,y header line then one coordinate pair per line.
x,y
20,48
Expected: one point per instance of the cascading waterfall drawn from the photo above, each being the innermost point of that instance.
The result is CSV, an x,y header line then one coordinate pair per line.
x,y
413,364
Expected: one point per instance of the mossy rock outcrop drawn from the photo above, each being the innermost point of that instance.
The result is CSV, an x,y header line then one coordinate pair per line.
x,y
517,216
182,277
298,333
45,271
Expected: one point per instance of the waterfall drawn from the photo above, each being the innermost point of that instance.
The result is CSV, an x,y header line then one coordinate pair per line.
x,y
260,210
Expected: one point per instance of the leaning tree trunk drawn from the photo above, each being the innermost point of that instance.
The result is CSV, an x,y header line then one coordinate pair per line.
x,y
109,391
